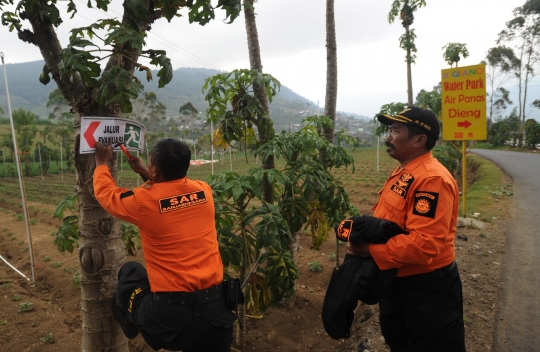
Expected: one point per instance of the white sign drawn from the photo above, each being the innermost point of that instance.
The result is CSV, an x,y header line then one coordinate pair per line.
x,y
99,129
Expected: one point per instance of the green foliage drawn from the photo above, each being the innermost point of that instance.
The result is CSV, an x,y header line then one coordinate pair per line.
x,y
16,298
233,104
130,237
431,100
532,133
68,232
119,87
315,266
505,130
405,9
124,40
406,42
76,278
447,155
48,338
307,196
453,53
25,307
388,109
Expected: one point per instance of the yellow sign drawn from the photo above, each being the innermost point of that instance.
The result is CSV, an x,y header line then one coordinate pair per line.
x,y
464,103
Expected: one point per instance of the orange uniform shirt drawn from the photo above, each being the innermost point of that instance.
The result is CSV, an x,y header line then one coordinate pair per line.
x,y
177,228
422,199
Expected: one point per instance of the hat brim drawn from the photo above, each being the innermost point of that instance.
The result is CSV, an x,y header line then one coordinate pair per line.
x,y
388,119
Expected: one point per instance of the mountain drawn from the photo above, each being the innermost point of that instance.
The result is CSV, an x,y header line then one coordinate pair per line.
x,y
27,92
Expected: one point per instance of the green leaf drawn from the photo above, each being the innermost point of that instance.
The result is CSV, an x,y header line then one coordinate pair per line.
x,y
118,87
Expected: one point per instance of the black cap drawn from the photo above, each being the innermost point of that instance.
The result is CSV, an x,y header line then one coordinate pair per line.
x,y
415,116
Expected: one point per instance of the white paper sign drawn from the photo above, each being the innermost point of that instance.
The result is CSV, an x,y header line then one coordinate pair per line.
x,y
99,129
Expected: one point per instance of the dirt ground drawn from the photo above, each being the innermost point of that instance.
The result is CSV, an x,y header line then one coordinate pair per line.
x,y
46,316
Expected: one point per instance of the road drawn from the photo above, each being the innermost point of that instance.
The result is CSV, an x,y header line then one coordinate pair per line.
x,y
518,323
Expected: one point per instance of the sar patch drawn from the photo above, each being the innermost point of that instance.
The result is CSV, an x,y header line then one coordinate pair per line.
x,y
425,203
344,230
402,185
182,201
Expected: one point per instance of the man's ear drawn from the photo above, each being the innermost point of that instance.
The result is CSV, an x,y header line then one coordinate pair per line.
x,y
156,174
421,140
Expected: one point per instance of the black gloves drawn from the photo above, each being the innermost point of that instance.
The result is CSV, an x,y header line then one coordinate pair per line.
x,y
367,228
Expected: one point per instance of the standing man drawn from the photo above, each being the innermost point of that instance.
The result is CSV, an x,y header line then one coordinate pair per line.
x,y
423,312
177,302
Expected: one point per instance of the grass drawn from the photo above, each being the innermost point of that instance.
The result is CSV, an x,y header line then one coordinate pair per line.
x,y
490,185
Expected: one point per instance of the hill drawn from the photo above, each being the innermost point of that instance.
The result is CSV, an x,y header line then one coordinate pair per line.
x,y
186,86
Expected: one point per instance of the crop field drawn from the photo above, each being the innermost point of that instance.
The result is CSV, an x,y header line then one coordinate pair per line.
x,y
52,188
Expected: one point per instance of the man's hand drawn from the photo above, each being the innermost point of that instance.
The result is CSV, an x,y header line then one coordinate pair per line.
x,y
138,166
104,152
358,250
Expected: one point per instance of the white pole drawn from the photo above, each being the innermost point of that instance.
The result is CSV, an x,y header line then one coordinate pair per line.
x,y
137,177
212,144
23,195
61,162
40,162
377,153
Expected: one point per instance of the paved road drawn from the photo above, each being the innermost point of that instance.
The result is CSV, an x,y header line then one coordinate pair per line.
x,y
518,324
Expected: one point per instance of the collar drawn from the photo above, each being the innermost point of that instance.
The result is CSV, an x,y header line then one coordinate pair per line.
x,y
414,163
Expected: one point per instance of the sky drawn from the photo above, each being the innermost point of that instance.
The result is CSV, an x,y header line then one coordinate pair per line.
x,y
371,66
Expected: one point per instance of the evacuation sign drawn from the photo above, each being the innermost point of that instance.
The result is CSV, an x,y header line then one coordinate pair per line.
x,y
464,103
99,129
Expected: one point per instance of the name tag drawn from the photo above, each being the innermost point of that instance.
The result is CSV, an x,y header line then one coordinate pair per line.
x,y
182,201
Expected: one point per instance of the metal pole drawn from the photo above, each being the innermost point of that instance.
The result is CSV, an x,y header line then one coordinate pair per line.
x,y
464,177
212,143
21,185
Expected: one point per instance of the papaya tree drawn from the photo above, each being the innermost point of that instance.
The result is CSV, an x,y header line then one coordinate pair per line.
x,y
94,73
405,10
308,196
453,53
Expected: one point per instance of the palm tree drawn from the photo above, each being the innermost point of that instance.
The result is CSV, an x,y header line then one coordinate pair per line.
x,y
331,70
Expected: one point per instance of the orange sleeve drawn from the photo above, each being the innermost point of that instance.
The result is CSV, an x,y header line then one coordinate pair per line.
x,y
428,236
117,201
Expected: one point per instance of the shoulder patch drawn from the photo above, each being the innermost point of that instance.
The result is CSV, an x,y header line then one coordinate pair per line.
x,y
182,201
126,194
402,185
425,203
344,230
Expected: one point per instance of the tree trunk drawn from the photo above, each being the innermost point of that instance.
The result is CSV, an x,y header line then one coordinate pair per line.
x,y
330,102
241,309
264,124
409,73
101,253
101,250
331,70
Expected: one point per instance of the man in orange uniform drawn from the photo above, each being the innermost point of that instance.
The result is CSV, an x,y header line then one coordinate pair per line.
x,y
177,301
423,312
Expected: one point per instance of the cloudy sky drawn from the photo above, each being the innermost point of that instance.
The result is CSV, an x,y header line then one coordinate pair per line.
x,y
371,66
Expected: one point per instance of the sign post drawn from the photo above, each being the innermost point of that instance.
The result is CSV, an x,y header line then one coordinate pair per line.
x,y
464,111
99,129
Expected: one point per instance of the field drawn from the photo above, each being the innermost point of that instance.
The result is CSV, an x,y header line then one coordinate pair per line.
x,y
46,316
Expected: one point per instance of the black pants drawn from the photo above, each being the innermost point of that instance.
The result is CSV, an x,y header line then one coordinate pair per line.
x,y
424,313
166,323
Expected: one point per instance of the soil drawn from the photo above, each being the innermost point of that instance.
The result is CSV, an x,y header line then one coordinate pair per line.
x,y
53,321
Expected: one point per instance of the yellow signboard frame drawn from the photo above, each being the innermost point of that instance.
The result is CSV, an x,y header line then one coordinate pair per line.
x,y
464,103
